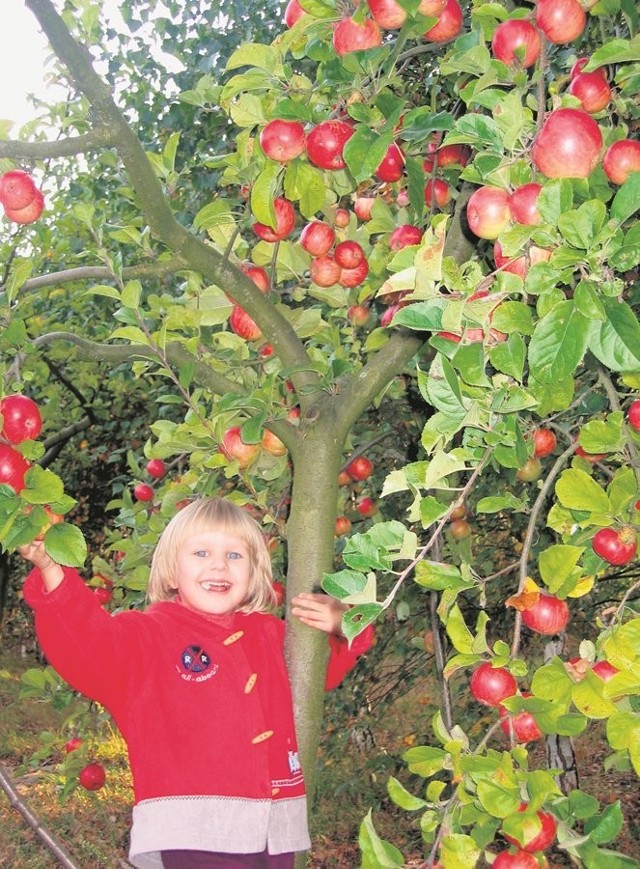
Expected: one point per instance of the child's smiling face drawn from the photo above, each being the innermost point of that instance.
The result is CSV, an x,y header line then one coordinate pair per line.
x,y
213,572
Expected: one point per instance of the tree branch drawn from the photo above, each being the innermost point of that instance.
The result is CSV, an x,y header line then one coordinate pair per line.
x,y
94,351
99,137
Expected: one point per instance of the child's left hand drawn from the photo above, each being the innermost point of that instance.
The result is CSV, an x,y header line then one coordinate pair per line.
x,y
320,611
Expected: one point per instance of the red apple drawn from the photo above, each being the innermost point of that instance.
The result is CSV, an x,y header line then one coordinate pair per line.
x,y
342,526
21,418
325,271
491,685
233,447
293,13
438,192
568,145
537,841
13,467
244,325
592,458
283,140
278,590
593,91
388,315
317,238
544,442
362,207
405,235
103,595
258,275
488,211
354,277
156,468
17,189
391,167
447,155
449,23
516,42
621,159
359,468
30,213
349,35
515,860
325,144
618,547
92,777
530,471
560,20
633,414
460,529
367,507
387,14
523,723
523,204
358,315
604,670
341,218
519,265
143,492
285,221
272,444
349,254
73,744
548,616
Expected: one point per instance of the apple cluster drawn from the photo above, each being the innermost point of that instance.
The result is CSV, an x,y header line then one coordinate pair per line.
x,y
22,201
21,421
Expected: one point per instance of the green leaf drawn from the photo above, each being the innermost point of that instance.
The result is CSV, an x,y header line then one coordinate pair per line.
x,y
556,564
375,852
578,491
458,632
458,850
304,184
497,503
627,200
558,343
615,51
581,226
254,54
131,293
497,799
401,796
364,151
554,199
358,618
263,194
628,254
66,545
607,826
438,576
616,341
588,698
425,760
19,273
42,486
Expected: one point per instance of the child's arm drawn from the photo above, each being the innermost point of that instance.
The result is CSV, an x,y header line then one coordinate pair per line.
x,y
51,572
323,612
319,611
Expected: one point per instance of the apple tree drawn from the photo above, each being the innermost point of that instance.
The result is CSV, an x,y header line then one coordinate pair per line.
x,y
394,199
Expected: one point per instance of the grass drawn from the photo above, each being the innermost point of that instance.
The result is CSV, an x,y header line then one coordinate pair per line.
x,y
356,757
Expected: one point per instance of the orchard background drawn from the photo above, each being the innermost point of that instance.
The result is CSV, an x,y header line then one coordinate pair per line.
x,y
429,398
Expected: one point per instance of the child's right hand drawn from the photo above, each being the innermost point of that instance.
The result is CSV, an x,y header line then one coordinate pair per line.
x,y
52,573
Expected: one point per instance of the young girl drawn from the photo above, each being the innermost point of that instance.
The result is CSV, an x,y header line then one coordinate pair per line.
x,y
198,687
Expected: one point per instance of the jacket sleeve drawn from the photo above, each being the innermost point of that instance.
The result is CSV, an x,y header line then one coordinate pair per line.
x,y
96,652
343,658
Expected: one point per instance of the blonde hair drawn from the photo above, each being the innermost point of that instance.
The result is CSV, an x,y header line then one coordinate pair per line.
x,y
205,514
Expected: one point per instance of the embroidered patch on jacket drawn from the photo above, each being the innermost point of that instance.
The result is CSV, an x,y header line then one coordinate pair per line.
x,y
196,665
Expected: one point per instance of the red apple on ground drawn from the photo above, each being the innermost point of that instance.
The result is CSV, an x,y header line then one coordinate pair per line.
x,y
560,20
244,325
617,547
568,145
405,235
449,23
491,685
283,140
349,35
549,615
593,91
285,221
13,467
516,42
21,419
156,468
488,211
317,238
234,447
360,468
523,204
92,777
325,144
621,159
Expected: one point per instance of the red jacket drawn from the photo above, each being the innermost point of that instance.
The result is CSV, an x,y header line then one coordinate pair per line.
x,y
204,705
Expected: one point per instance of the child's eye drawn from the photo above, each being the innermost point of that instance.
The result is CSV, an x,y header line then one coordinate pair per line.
x,y
234,555
201,553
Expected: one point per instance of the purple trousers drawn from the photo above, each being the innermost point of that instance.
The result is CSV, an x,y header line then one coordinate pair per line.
x,y
218,860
